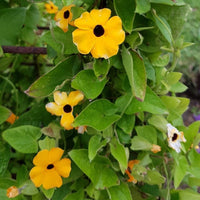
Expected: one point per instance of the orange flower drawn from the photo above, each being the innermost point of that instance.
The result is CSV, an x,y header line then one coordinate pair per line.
x,y
11,119
128,171
51,8
49,168
12,192
155,148
63,106
64,17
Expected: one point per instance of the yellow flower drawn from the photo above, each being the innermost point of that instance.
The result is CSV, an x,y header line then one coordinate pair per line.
x,y
11,119
49,168
51,8
64,17
12,192
175,138
98,34
63,106
131,163
155,148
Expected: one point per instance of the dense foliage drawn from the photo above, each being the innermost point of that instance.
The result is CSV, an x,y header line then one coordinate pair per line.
x,y
95,114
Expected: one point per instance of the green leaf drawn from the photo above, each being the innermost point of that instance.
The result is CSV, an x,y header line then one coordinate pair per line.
x,y
153,177
5,62
23,138
79,195
32,17
159,122
76,12
98,170
169,2
126,11
134,39
11,22
127,123
4,157
5,113
178,87
95,144
142,6
48,193
87,82
99,114
47,83
29,188
163,26
161,61
190,133
60,41
101,68
118,151
140,143
176,106
188,194
152,103
120,192
36,116
136,73
148,132
180,170
47,143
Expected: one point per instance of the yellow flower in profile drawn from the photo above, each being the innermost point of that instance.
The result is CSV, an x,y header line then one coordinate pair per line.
x,y
63,106
51,8
155,148
12,118
12,192
98,34
64,17
49,167
131,164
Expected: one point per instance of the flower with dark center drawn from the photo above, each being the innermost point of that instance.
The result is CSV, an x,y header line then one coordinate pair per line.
x,y
63,106
175,138
51,8
64,17
49,168
98,34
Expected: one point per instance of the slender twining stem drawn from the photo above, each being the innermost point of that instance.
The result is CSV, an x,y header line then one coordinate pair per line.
x,y
168,180
15,90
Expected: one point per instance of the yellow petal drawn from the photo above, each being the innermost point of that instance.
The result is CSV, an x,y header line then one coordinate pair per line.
x,y
60,97
63,24
41,159
37,175
104,48
54,109
84,40
51,179
60,14
85,21
54,155
114,31
67,120
12,192
100,16
75,97
51,8
63,167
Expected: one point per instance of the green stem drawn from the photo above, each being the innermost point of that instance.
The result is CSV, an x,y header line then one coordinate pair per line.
x,y
168,180
174,62
15,91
